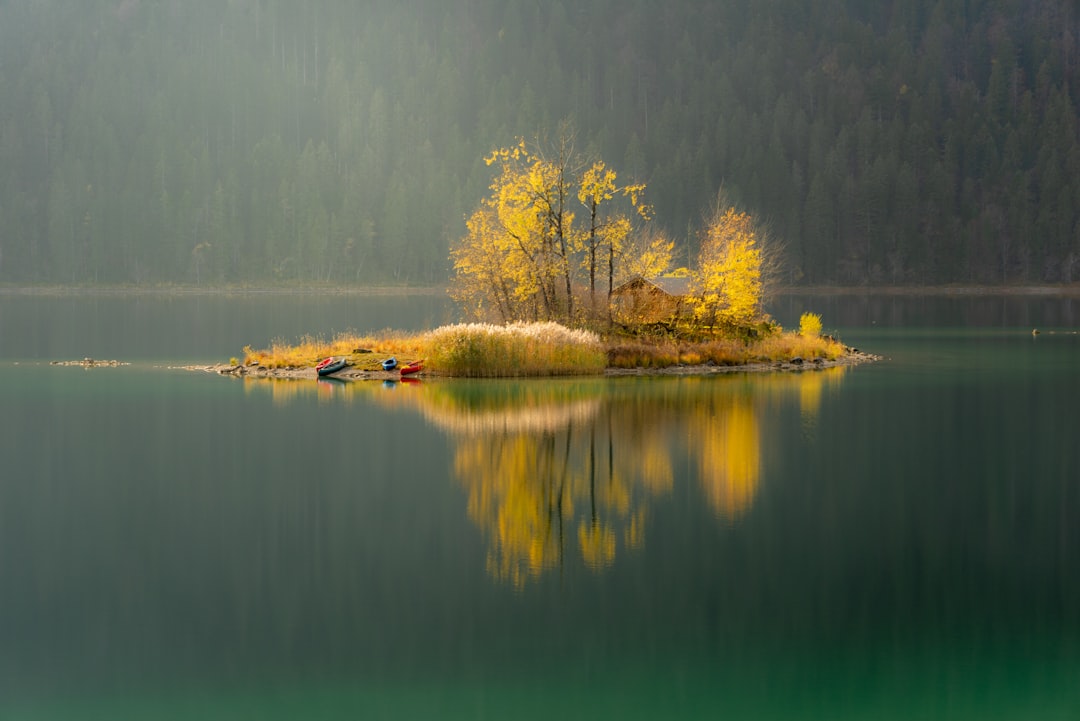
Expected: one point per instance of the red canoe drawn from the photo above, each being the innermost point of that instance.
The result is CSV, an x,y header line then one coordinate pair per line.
x,y
414,367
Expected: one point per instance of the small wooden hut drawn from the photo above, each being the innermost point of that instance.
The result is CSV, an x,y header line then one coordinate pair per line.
x,y
650,300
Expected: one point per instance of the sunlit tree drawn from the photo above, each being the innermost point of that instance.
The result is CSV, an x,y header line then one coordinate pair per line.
x,y
516,249
482,285
525,250
728,286
604,240
648,253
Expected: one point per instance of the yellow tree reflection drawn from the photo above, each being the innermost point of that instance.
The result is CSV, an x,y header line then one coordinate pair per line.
x,y
542,474
566,471
728,445
519,496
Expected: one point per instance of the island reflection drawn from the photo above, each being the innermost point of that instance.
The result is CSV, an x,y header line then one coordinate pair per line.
x,y
566,471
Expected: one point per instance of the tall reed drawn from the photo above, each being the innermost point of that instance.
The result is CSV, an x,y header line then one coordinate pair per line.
x,y
518,349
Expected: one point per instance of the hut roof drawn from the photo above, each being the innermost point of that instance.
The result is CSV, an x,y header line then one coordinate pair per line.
x,y
669,285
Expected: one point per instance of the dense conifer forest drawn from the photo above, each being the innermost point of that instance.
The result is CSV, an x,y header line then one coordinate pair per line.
x,y
258,141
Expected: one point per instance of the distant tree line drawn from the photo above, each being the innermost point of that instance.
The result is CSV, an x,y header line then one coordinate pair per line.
x,y
230,141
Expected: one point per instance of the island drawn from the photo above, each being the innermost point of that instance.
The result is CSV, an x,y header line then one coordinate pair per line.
x,y
545,349
555,287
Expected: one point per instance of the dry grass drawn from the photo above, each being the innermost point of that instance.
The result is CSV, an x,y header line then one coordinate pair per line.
x,y
518,349
661,354
664,353
365,352
536,349
786,346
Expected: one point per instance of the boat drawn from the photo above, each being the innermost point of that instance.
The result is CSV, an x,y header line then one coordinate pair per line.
x,y
330,365
414,367
389,364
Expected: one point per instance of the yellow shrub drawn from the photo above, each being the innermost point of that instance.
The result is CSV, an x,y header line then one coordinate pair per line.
x,y
810,325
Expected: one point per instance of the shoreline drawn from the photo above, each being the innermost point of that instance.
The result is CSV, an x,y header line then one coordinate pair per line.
x,y
852,357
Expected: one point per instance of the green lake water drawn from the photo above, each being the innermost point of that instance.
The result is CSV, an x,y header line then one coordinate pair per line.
x,y
898,540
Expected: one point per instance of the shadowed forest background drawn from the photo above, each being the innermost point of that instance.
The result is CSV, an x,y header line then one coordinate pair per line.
x,y
214,141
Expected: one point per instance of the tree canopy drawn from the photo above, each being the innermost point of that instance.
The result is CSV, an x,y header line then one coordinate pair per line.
x,y
545,232
727,281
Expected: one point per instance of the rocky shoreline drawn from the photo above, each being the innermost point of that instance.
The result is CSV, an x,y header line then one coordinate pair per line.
x,y
795,365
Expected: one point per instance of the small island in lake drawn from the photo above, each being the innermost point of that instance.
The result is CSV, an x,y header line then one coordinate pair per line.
x,y
547,349
563,288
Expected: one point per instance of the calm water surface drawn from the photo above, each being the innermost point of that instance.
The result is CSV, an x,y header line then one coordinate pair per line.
x,y
893,541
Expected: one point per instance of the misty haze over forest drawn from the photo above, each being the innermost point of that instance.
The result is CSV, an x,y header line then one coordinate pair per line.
x,y
237,141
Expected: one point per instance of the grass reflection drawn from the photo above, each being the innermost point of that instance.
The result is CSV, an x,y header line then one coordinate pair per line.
x,y
566,471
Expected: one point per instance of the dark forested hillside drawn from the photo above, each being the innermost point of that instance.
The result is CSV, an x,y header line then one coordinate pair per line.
x,y
219,141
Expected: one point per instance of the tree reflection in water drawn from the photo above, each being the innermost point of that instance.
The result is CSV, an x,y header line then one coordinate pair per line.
x,y
566,470
556,470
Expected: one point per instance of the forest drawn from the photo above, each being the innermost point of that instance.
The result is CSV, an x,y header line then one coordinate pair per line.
x,y
221,142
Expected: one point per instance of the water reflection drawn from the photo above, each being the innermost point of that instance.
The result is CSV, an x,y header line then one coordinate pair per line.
x,y
566,471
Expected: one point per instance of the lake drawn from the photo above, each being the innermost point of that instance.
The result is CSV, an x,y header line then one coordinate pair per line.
x,y
892,541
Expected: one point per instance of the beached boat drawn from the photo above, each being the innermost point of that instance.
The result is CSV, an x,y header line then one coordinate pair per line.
x,y
330,365
414,367
389,364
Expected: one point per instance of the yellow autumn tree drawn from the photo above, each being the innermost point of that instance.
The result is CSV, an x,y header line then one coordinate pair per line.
x,y
649,253
483,286
728,287
516,250
604,240
528,229
524,253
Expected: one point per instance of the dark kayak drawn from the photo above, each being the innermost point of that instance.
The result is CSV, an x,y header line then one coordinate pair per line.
x,y
330,365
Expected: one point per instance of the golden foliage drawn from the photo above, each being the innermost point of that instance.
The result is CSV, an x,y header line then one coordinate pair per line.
x,y
481,284
648,255
524,250
728,280
514,250
810,325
